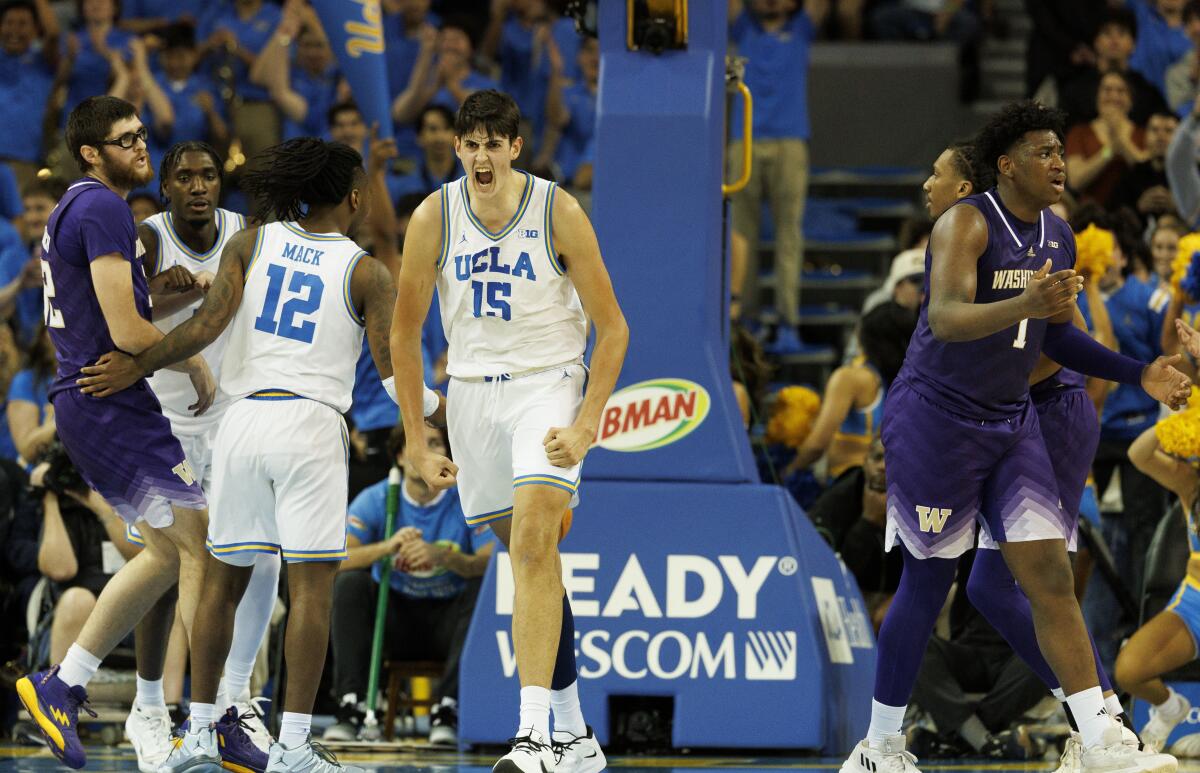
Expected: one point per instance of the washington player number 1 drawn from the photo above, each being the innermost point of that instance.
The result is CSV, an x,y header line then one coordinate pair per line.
x,y
1021,328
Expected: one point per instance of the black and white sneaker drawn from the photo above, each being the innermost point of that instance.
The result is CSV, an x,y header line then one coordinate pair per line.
x,y
349,723
577,753
443,724
530,754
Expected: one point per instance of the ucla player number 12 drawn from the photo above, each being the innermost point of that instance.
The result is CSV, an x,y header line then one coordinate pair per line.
x,y
308,289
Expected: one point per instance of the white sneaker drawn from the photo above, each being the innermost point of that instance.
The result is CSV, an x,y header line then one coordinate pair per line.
x,y
197,752
577,753
1163,720
530,754
252,723
309,757
1188,746
1071,760
889,757
1113,755
148,728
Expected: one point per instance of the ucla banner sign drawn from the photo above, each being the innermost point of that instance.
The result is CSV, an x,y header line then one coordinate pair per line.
x,y
355,30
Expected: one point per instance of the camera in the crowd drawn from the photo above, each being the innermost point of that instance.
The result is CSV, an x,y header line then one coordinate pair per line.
x,y
62,476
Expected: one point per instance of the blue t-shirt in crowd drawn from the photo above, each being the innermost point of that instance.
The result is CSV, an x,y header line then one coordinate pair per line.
x,y
27,387
91,72
370,406
1158,46
25,84
319,92
1137,321
252,34
401,50
522,77
473,82
421,180
441,523
578,132
14,254
568,42
10,194
777,74
171,10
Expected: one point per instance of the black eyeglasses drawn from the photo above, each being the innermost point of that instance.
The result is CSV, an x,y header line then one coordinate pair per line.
x,y
128,139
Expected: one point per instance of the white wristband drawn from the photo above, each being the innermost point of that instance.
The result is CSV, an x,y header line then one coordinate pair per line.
x,y
430,401
429,398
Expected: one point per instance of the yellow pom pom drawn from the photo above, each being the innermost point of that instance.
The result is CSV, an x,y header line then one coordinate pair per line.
x,y
792,415
1094,249
1188,246
1179,433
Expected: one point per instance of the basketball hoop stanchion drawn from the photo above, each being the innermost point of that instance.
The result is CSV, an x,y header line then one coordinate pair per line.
x,y
371,731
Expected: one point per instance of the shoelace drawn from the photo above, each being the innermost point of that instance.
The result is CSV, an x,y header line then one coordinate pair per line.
x,y
526,743
74,702
323,753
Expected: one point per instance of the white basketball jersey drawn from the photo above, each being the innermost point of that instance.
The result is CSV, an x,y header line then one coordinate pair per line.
x,y
174,389
507,303
296,329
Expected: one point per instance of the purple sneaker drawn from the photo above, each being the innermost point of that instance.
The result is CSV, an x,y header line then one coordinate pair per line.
x,y
238,752
55,708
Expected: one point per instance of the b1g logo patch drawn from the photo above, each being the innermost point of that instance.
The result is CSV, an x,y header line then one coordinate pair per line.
x,y
652,414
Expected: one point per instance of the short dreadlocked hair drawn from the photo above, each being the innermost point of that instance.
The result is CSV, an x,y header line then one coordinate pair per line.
x,y
1011,124
967,163
286,180
172,157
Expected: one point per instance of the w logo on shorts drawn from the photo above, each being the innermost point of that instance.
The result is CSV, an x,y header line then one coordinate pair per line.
x,y
933,519
184,471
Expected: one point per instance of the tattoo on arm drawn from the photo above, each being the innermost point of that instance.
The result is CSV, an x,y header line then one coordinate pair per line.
x,y
219,306
379,300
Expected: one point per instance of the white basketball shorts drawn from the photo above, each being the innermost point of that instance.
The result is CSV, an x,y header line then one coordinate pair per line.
x,y
280,466
497,428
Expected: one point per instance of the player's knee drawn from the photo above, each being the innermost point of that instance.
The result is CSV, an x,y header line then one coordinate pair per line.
x,y
1126,672
534,547
75,605
1048,582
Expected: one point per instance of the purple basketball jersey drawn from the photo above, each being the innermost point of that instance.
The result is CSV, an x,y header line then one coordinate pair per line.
x,y
90,221
989,378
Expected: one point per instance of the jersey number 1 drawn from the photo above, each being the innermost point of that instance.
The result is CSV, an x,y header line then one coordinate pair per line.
x,y
299,306
1021,328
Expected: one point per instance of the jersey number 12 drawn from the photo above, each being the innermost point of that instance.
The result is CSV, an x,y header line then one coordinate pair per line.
x,y
308,289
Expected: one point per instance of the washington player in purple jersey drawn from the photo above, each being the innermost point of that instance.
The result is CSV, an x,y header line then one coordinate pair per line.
x,y
963,442
1070,430
97,299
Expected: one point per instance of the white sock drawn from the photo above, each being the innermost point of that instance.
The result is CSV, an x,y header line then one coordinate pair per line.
x,y
1091,715
885,720
150,693
1059,695
222,699
1113,704
294,729
535,711
203,715
78,667
1175,706
568,716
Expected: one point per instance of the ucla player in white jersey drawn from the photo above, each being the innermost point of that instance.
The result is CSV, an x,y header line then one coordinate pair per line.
x,y
183,246
297,295
519,275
